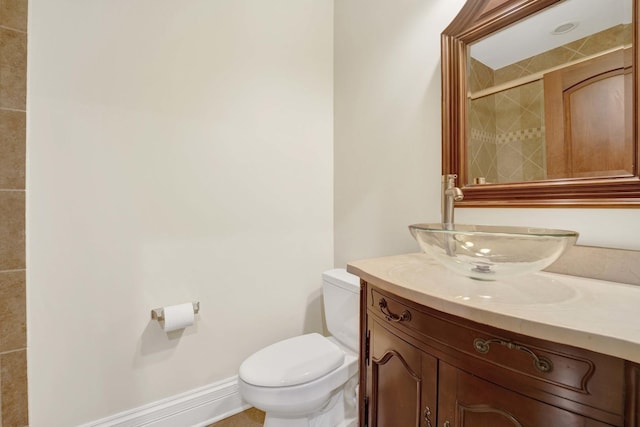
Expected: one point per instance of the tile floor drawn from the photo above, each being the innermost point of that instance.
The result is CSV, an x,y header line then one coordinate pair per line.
x,y
252,417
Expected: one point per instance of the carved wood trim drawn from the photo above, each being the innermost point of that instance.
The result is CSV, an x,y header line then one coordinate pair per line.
x,y
478,19
462,410
375,365
392,353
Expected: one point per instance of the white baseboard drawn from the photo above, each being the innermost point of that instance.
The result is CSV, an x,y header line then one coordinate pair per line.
x,y
195,408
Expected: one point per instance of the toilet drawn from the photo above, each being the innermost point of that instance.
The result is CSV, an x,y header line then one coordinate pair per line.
x,y
311,380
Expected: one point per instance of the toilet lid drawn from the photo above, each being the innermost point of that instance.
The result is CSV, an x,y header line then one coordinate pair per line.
x,y
293,361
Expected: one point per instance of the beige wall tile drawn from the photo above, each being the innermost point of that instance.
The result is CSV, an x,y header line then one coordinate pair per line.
x,y
13,386
607,39
13,77
12,149
480,76
12,235
13,321
13,69
13,14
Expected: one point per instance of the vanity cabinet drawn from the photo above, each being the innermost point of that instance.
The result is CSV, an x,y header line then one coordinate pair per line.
x,y
424,368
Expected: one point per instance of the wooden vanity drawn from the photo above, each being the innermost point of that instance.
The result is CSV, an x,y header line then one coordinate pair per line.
x,y
438,349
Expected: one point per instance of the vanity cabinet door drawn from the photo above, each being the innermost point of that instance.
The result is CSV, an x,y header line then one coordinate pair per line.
x,y
401,382
469,401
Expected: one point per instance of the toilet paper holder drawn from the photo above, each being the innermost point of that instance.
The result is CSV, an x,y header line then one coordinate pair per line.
x,y
158,313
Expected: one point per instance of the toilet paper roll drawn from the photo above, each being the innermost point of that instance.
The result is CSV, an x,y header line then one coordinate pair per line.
x,y
178,317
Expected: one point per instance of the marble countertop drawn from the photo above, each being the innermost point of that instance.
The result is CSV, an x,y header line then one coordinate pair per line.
x,y
592,314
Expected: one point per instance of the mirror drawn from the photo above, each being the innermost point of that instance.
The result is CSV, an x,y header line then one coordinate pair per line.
x,y
538,102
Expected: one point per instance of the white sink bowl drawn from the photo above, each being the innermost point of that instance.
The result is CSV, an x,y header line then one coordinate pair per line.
x,y
490,252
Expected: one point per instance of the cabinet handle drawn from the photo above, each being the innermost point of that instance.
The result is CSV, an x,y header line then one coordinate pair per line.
x,y
541,363
427,416
405,316
447,424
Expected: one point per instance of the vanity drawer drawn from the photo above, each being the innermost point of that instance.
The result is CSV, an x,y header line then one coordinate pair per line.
x,y
545,370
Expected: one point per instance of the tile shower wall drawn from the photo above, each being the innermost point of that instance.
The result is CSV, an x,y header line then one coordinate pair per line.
x,y
482,121
520,143
13,336
506,141
507,129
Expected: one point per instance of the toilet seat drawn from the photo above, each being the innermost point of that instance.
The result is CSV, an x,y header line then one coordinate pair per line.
x,y
293,361
301,399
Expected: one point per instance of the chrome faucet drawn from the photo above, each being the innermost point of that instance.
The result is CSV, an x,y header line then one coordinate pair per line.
x,y
450,194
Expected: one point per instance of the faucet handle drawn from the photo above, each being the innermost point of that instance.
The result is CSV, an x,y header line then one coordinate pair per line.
x,y
449,180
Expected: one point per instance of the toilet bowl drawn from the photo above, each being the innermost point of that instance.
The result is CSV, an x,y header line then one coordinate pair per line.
x,y
311,380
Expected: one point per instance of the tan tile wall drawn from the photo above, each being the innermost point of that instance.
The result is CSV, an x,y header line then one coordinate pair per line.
x,y
13,328
598,42
482,123
520,143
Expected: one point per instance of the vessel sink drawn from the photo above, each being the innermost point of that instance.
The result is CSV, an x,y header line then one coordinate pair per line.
x,y
492,252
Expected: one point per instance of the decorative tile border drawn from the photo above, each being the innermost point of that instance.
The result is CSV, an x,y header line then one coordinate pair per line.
x,y
520,135
483,136
506,138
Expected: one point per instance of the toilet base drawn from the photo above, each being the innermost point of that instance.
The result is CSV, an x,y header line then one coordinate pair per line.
x,y
340,411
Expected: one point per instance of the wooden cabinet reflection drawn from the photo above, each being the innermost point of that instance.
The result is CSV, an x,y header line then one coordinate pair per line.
x,y
588,118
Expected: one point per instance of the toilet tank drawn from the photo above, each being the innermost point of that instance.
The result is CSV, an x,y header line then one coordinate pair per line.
x,y
341,292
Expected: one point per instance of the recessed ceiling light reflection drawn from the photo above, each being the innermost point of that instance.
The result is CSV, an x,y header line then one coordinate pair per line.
x,y
564,28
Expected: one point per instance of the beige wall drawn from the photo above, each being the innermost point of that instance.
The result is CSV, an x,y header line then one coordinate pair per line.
x,y
13,333
387,122
177,151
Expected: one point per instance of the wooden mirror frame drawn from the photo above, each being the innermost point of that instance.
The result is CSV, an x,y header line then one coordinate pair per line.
x,y
476,20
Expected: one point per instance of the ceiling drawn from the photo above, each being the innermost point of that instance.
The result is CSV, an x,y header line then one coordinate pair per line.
x,y
533,35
